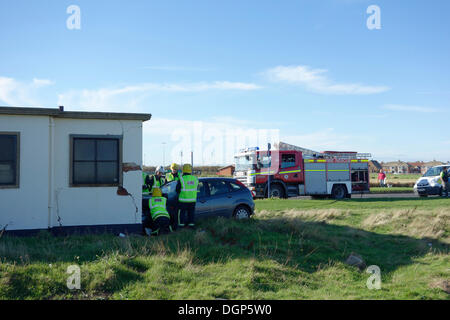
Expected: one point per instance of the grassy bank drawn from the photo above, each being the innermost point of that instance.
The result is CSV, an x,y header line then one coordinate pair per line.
x,y
392,190
291,249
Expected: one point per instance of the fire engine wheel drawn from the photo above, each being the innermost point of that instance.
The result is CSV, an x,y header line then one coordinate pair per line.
x,y
276,191
339,192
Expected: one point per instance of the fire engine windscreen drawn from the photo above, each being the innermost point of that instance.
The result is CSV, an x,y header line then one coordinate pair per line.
x,y
244,163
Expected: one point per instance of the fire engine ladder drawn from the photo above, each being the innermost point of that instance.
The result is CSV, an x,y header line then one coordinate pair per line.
x,y
347,156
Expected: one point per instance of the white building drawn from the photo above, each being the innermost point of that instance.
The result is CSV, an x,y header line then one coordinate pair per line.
x,y
63,170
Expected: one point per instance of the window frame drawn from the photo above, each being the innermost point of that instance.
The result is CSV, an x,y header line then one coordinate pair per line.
x,y
288,154
16,185
218,194
119,139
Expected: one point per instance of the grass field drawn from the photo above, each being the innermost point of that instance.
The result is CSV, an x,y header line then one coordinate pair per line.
x,y
392,190
291,249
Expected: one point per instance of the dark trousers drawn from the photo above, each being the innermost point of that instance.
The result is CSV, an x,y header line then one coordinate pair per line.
x,y
445,187
173,211
161,225
186,214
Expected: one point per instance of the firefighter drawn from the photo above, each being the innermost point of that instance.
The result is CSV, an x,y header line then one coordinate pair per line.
x,y
156,180
445,183
173,175
187,197
158,211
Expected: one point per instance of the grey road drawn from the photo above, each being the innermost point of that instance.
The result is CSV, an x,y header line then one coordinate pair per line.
x,y
375,196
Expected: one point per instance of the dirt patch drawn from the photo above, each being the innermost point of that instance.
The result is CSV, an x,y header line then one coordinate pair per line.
x,y
441,284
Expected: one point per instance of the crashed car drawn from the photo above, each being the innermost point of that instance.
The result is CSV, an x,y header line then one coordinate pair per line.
x,y
226,197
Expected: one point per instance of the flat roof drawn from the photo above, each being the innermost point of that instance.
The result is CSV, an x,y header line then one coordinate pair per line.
x,y
55,112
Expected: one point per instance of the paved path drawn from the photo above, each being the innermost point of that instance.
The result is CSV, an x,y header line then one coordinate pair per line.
x,y
373,196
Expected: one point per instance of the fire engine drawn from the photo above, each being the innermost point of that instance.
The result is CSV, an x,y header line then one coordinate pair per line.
x,y
290,171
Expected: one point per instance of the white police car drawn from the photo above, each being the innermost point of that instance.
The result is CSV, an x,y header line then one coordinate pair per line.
x,y
430,183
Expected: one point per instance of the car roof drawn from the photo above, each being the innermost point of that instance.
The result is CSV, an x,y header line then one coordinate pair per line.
x,y
216,178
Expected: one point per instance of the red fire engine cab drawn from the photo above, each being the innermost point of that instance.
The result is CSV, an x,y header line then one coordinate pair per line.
x,y
294,171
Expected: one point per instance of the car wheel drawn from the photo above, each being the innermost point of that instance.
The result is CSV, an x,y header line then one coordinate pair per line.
x,y
338,192
242,212
423,195
276,191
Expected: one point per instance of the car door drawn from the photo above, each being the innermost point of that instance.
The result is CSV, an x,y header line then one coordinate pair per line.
x,y
169,191
202,207
220,198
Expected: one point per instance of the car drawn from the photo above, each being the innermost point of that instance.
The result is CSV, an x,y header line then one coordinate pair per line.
x,y
430,183
226,197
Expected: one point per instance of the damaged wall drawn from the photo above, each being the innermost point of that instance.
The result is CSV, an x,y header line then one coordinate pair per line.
x,y
97,205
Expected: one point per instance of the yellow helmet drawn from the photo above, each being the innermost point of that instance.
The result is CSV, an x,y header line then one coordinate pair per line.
x,y
187,168
156,192
173,166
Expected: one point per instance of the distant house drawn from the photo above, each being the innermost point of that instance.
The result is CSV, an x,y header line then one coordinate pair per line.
x,y
226,171
430,164
416,167
374,166
397,167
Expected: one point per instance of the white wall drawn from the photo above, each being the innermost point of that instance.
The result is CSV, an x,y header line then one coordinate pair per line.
x,y
96,205
26,207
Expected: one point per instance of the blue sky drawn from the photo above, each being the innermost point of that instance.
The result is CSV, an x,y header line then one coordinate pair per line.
x,y
311,71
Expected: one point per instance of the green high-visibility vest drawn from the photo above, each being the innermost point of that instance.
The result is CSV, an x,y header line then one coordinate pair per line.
x,y
156,183
170,177
189,185
158,207
144,190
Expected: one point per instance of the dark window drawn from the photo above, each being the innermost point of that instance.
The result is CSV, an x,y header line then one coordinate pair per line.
x,y
287,160
201,189
9,159
95,161
217,187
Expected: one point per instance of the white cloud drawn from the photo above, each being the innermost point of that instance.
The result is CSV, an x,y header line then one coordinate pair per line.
x,y
315,80
42,82
129,97
399,107
17,93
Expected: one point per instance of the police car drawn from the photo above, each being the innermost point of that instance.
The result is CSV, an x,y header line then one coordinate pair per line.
x,y
430,183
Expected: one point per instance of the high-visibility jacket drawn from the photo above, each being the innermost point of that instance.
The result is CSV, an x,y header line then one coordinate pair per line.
x,y
171,177
157,183
188,192
144,189
158,207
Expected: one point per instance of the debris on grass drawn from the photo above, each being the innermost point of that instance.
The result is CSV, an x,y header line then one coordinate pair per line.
x,y
355,260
